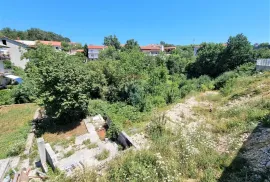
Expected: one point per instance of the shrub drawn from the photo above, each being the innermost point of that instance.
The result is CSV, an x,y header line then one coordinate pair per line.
x,y
266,120
156,128
6,97
114,130
137,166
221,80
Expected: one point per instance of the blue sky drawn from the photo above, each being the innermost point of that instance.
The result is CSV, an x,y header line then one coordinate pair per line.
x,y
179,22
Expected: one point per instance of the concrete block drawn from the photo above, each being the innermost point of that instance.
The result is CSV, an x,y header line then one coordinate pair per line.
x,y
51,156
42,153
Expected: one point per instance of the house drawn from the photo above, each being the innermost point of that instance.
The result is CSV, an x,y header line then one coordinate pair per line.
x,y
152,49
93,51
15,50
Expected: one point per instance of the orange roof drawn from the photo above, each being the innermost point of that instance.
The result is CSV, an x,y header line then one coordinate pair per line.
x,y
79,50
95,47
52,43
150,48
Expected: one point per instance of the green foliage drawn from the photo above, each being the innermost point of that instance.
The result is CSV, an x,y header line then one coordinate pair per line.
x,y
207,62
85,50
214,59
156,128
131,44
7,64
62,83
137,166
6,97
114,130
32,34
109,53
237,52
69,153
112,41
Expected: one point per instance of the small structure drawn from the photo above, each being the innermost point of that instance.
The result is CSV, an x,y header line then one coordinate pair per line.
x,y
263,64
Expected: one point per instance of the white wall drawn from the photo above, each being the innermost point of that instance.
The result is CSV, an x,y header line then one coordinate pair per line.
x,y
16,50
93,53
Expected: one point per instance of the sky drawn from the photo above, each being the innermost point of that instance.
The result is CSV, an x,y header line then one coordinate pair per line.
x,y
179,22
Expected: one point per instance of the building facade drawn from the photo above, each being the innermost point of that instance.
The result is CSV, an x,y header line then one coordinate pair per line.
x,y
15,50
93,51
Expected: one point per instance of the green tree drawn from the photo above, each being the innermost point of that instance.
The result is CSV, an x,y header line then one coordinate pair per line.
x,y
209,55
85,50
112,41
63,84
131,44
66,46
32,34
237,52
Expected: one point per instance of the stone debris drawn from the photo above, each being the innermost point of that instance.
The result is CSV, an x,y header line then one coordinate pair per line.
x,y
140,140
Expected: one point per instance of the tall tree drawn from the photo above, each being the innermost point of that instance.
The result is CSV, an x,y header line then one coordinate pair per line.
x,y
64,95
207,62
131,44
237,52
85,50
112,41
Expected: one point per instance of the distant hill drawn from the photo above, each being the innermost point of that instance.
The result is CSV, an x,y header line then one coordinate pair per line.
x,y
32,34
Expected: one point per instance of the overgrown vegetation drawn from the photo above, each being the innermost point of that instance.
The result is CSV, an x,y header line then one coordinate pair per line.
x,y
103,155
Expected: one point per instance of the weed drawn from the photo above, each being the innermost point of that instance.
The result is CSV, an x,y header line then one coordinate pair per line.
x,y
92,145
69,153
103,155
87,142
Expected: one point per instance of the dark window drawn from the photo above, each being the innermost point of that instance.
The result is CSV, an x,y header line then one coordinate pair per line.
x,y
4,42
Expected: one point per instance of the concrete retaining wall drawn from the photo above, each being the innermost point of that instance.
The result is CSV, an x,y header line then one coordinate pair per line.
x,y
125,140
51,157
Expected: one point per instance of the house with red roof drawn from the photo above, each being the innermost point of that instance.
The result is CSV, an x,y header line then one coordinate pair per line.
x,y
93,51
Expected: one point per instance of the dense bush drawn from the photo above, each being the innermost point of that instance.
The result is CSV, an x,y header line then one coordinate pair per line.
x,y
6,97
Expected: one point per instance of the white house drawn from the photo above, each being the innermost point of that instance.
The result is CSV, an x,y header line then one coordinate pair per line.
x,y
93,51
16,50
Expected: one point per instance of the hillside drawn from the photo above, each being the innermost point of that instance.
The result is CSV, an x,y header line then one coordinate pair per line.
x,y
32,34
220,135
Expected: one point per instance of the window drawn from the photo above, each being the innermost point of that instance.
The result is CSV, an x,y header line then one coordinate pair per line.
x,y
4,42
92,55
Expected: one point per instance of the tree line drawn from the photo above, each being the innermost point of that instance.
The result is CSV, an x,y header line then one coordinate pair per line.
x,y
32,34
125,83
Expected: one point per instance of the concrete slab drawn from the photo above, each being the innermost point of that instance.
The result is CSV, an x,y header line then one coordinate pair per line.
x,y
29,143
14,162
79,139
25,163
92,131
4,167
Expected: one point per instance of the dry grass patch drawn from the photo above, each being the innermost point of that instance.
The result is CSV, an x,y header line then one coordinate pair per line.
x,y
65,132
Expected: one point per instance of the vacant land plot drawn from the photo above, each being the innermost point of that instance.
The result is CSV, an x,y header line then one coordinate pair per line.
x,y
14,126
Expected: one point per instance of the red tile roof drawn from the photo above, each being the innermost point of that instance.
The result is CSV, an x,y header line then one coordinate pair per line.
x,y
52,43
95,47
79,50
149,47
